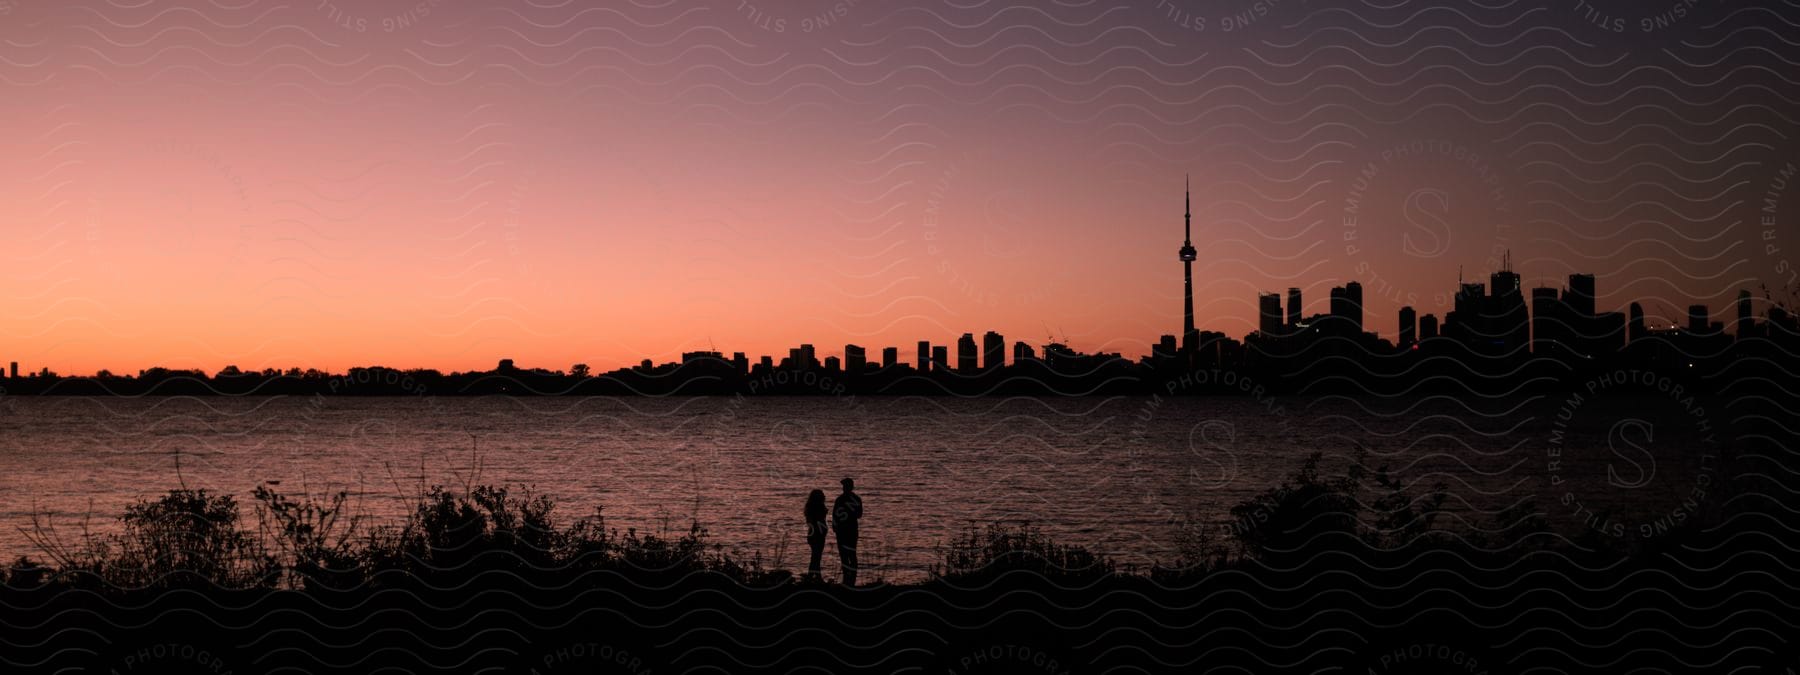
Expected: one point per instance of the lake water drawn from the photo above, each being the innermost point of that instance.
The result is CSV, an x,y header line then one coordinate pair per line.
x,y
1120,474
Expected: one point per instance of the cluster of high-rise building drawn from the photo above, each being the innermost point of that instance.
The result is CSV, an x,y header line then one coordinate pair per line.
x,y
1344,315
971,357
1498,318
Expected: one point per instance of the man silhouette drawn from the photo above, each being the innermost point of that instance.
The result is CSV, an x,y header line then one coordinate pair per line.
x,y
845,513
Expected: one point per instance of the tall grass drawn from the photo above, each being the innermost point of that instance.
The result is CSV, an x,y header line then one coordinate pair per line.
x,y
190,538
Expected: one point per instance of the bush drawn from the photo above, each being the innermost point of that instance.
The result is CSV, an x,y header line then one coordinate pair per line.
x,y
1306,514
1293,516
186,538
192,538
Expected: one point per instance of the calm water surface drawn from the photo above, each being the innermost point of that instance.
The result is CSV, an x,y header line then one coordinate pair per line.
x,y
1121,474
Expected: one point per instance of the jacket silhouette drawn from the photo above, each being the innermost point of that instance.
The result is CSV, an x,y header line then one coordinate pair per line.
x,y
815,530
846,513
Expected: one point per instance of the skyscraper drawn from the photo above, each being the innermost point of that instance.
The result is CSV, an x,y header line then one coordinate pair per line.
x,y
1745,323
803,357
855,359
1269,313
1697,318
965,354
1463,321
924,356
1638,330
1353,295
1510,322
940,358
994,350
1548,320
1580,296
1165,347
1023,352
1189,340
1293,308
1505,281
1340,306
1409,326
890,357
1428,327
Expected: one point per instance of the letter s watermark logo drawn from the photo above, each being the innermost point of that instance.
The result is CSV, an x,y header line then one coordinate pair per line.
x,y
1213,441
1427,211
1621,438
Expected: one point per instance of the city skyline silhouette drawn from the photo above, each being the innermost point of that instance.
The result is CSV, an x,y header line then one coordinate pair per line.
x,y
1498,318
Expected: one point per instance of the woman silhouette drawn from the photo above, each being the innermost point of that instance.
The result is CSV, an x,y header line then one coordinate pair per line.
x,y
815,530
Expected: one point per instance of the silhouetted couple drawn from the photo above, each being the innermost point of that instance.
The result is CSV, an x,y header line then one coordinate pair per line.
x,y
845,514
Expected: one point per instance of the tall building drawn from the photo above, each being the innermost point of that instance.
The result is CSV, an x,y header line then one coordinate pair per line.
x,y
1269,313
1428,327
1746,324
1510,322
1580,296
993,348
1190,341
924,356
1023,352
1638,330
965,353
1353,295
1409,326
831,363
1505,281
1548,321
890,357
1344,310
940,358
1166,347
1463,322
1293,308
802,357
1491,318
1697,318
740,363
856,359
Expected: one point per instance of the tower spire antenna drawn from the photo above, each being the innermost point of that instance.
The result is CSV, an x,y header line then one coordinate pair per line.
x,y
1189,340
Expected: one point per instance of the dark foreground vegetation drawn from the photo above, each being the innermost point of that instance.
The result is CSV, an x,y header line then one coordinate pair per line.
x,y
1332,573
194,539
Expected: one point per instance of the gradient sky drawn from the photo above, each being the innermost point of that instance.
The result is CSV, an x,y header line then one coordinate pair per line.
x,y
447,183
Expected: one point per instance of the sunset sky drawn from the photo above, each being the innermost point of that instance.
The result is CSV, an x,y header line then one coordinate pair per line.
x,y
445,184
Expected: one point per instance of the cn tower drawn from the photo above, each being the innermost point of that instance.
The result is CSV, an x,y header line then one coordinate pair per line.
x,y
1189,341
